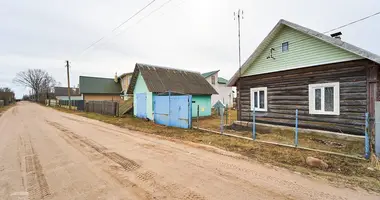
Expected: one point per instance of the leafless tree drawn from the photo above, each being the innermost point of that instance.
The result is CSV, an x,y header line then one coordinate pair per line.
x,y
36,79
6,89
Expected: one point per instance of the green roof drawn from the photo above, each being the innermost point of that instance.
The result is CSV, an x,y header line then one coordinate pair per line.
x,y
97,85
207,74
222,80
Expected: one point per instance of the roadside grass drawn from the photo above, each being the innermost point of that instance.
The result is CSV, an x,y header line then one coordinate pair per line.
x,y
342,171
4,108
313,140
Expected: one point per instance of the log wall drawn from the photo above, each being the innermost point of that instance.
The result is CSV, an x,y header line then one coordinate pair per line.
x,y
288,91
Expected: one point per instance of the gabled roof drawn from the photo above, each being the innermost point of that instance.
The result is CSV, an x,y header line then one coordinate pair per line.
x,y
207,74
62,91
222,80
97,85
330,40
163,79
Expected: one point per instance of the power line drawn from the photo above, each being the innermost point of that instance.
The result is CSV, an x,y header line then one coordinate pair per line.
x,y
353,22
120,25
339,27
146,16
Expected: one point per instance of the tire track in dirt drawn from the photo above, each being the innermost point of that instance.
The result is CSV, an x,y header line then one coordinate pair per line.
x,y
127,164
129,173
34,179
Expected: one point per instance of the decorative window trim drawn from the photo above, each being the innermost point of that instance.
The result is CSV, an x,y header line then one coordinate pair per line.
x,y
258,89
321,86
282,47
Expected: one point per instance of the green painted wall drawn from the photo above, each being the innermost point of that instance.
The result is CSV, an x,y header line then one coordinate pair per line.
x,y
204,102
141,87
308,52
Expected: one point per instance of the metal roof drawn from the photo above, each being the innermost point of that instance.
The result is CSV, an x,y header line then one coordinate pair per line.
x,y
97,85
162,79
207,74
333,41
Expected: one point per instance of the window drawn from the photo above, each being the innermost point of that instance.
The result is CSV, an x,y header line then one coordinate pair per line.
x,y
213,80
285,46
324,98
259,99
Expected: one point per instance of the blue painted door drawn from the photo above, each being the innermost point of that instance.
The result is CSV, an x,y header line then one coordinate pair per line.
x,y
173,111
161,110
141,105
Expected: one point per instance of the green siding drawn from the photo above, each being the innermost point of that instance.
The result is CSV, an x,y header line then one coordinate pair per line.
x,y
141,87
306,51
204,102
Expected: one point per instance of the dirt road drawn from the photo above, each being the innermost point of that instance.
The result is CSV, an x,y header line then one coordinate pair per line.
x,y
46,154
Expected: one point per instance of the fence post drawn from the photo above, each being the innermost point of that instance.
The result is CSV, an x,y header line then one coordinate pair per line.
x,y
198,116
253,124
227,114
366,133
296,130
221,112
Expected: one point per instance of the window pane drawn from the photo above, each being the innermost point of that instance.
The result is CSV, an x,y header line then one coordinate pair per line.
x,y
317,99
285,46
329,99
261,94
255,99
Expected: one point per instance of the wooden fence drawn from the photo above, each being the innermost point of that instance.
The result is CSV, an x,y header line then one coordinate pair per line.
x,y
103,107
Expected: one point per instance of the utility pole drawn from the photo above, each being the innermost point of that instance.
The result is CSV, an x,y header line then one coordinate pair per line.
x,y
239,16
68,82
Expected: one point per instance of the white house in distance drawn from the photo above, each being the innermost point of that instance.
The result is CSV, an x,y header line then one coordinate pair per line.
x,y
225,93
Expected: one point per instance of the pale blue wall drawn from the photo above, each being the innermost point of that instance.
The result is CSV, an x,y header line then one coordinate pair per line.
x,y
141,87
204,102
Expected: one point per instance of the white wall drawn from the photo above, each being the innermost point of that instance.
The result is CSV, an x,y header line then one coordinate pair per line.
x,y
225,93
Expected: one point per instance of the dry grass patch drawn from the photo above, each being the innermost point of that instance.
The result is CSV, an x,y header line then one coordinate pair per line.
x,y
344,171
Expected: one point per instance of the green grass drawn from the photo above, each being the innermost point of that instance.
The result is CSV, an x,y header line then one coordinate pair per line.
x,y
344,171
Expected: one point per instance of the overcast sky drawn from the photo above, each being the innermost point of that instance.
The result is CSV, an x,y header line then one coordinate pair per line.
x,y
198,35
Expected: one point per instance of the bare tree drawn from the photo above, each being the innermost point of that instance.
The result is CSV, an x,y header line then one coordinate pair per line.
x,y
36,79
6,89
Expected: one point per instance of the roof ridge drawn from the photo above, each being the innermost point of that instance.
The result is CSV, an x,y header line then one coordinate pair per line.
x,y
96,77
169,68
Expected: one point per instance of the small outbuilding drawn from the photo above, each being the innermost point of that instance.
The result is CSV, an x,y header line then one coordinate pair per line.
x,y
99,89
149,81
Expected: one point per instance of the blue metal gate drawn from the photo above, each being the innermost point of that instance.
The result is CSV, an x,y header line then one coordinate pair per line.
x,y
141,105
173,110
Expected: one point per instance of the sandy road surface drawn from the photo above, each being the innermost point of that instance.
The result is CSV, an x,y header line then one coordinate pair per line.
x,y
46,154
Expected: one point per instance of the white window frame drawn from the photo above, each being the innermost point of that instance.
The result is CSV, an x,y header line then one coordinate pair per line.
x,y
313,87
258,89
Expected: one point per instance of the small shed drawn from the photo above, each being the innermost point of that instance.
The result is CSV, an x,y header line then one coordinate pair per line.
x,y
149,81
99,89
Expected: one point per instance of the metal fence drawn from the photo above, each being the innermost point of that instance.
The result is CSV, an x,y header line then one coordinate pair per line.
x,y
308,139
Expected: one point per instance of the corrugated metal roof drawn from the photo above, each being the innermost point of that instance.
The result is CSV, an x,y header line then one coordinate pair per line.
x,y
162,79
97,85
62,91
207,74
222,80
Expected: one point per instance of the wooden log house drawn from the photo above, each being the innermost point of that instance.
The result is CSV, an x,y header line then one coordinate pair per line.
x,y
332,83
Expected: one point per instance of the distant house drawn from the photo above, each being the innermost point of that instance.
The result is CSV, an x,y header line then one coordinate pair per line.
x,y
153,80
99,89
225,93
61,93
125,80
332,83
